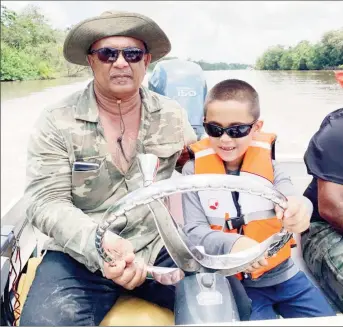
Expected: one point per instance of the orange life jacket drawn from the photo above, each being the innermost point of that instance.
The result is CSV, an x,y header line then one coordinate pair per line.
x,y
220,207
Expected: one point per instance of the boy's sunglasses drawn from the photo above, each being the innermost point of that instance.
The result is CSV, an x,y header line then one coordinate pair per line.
x,y
110,55
236,131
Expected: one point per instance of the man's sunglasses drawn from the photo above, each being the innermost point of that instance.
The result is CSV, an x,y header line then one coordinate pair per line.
x,y
236,131
110,55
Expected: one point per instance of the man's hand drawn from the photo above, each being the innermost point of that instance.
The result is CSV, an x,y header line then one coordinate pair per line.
x,y
244,243
124,271
296,217
184,157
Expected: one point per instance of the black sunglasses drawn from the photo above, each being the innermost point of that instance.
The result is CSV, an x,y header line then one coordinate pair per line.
x,y
234,132
110,55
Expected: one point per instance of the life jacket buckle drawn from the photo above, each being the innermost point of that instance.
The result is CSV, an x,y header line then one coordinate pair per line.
x,y
246,275
235,222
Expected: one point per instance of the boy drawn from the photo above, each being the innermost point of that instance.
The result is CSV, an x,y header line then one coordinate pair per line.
x,y
236,146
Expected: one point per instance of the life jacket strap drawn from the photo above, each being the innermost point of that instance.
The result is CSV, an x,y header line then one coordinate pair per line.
x,y
244,219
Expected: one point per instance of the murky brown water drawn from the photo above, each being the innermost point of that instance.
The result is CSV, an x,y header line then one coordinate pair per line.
x,y
14,90
293,106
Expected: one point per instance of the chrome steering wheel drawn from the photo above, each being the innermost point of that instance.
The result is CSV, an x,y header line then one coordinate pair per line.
x,y
188,257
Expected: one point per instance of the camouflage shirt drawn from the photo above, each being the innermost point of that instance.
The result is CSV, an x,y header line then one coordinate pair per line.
x,y
67,205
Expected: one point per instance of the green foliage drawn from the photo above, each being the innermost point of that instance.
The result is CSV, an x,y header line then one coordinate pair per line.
x,y
17,64
28,28
271,59
7,17
326,54
31,48
286,60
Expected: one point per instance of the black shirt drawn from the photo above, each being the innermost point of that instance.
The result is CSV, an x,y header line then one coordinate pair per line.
x,y
324,156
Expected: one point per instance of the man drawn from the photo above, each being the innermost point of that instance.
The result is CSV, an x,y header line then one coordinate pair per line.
x,y
322,244
82,159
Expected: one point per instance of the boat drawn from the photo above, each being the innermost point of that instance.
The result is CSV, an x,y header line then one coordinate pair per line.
x,y
21,243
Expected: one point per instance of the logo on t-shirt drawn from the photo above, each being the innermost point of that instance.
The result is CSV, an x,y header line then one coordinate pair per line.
x,y
213,204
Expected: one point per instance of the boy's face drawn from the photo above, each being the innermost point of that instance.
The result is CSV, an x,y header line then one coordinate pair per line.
x,y
230,113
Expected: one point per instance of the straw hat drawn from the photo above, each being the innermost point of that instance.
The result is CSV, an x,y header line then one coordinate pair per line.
x,y
114,23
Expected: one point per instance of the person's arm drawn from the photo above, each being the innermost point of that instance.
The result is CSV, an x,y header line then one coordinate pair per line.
x,y
48,195
197,227
189,137
296,217
283,183
323,160
330,203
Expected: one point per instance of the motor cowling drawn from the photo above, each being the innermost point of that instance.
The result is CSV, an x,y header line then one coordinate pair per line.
x,y
185,82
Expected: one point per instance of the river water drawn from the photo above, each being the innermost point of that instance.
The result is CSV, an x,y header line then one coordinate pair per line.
x,y
293,104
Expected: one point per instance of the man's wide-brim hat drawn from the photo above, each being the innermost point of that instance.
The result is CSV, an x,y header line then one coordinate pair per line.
x,y
114,23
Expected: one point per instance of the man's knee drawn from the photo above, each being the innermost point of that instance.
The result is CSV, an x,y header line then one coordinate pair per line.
x,y
322,254
332,279
314,244
56,310
320,246
64,292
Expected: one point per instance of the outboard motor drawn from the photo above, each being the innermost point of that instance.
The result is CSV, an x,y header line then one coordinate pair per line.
x,y
185,82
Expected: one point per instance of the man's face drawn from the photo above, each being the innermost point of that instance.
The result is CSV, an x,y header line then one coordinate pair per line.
x,y
119,78
230,113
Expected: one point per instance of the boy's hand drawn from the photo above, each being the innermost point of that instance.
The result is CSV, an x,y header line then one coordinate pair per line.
x,y
296,217
167,278
244,243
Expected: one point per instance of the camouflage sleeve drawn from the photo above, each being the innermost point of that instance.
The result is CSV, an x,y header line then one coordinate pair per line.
x,y
48,194
188,131
189,137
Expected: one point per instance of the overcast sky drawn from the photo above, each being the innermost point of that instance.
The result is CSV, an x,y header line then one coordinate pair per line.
x,y
213,31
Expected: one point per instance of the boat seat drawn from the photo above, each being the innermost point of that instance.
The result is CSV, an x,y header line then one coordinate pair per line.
x,y
128,310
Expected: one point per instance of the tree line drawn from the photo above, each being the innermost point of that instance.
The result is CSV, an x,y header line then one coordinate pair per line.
x,y
32,49
325,54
